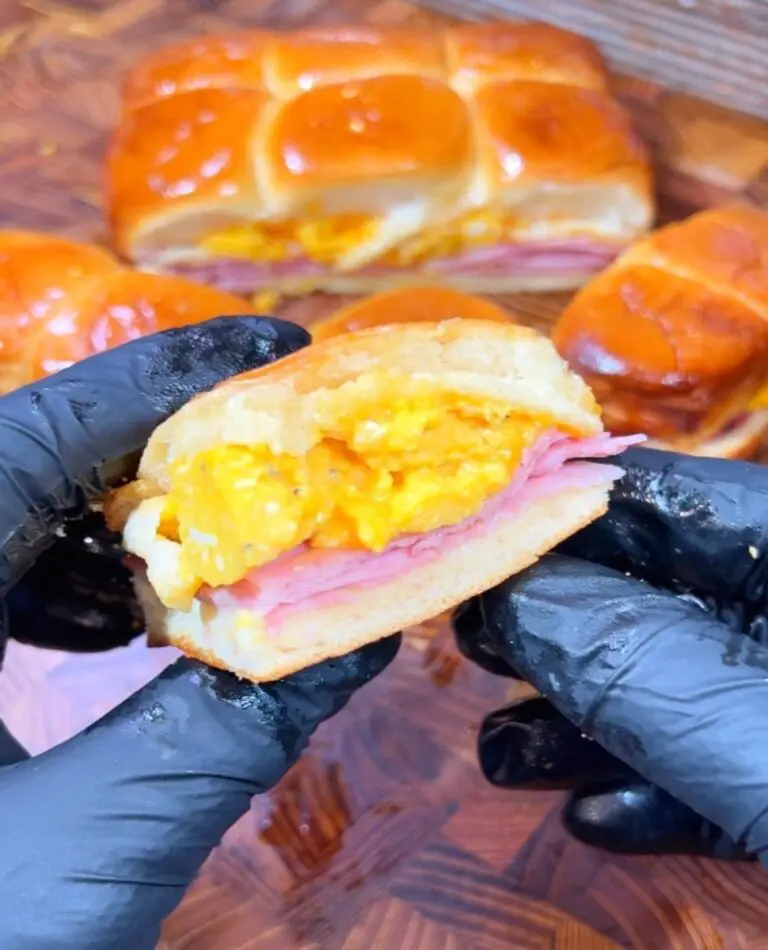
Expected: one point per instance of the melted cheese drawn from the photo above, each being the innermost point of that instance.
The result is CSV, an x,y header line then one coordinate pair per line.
x,y
423,462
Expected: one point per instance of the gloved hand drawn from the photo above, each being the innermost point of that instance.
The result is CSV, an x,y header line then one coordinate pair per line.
x,y
647,636
100,836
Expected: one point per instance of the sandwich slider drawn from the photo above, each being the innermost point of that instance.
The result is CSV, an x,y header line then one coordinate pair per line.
x,y
359,486
490,157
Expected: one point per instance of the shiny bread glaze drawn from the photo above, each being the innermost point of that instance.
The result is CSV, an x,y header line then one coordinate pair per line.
x,y
528,134
297,62
536,52
224,61
425,304
673,337
351,119
190,158
360,129
62,300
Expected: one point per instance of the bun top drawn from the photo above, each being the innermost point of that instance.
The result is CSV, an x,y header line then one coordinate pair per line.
x,y
277,405
62,300
351,120
428,304
684,313
37,271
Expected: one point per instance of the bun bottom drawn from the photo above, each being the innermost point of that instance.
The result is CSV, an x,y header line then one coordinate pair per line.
x,y
506,284
743,442
234,639
366,285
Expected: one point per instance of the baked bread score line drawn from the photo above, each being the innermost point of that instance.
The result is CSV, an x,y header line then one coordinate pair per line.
x,y
311,604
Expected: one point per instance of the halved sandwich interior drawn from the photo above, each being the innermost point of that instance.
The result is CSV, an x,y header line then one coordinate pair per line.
x,y
366,493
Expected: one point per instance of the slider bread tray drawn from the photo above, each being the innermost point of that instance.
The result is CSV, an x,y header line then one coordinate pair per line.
x,y
385,837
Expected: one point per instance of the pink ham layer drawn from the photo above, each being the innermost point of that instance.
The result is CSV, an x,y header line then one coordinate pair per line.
x,y
307,578
543,258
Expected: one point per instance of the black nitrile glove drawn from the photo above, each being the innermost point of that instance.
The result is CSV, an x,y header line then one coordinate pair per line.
x,y
100,836
647,634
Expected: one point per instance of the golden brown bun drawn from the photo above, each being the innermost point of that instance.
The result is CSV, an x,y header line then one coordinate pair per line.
x,y
673,337
394,133
62,300
277,406
409,305
225,61
224,130
36,271
239,644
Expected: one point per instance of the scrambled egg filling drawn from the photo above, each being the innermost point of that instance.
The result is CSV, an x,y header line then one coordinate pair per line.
x,y
423,462
324,241
484,228
321,240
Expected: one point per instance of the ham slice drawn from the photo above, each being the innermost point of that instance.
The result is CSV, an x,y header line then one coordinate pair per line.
x,y
307,577
579,256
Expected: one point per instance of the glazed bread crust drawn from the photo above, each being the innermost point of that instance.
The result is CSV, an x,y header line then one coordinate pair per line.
x,y
420,304
63,300
673,337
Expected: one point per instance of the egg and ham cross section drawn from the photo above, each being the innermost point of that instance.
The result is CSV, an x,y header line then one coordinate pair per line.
x,y
306,578
553,257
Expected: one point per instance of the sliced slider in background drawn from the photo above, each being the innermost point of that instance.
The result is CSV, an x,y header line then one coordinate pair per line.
x,y
490,158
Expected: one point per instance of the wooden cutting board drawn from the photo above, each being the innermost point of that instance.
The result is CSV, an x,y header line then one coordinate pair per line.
x,y
385,837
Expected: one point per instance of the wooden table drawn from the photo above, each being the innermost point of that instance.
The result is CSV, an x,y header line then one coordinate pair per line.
x,y
385,837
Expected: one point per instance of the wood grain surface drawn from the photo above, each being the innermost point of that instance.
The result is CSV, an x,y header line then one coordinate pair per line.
x,y
386,837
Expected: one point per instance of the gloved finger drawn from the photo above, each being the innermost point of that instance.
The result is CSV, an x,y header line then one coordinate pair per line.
x,y
531,745
76,600
473,639
143,796
65,440
652,677
696,524
11,750
632,816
